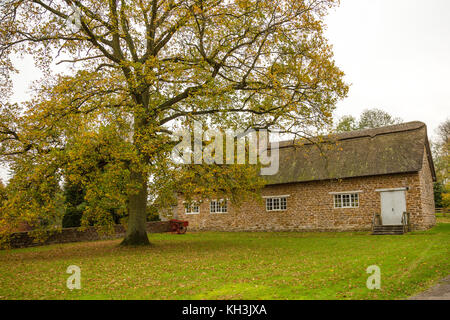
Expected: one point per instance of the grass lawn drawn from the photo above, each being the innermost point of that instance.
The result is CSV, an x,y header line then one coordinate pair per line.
x,y
445,219
215,265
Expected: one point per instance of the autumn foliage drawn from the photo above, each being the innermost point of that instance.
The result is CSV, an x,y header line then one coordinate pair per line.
x,y
137,71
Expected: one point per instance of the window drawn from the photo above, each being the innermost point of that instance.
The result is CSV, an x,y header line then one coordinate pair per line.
x,y
276,204
218,206
192,208
347,200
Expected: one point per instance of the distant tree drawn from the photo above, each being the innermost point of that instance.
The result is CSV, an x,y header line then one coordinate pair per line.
x,y
347,123
438,189
441,157
446,196
444,132
370,118
375,118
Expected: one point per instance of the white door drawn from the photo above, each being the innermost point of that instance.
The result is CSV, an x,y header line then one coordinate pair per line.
x,y
393,204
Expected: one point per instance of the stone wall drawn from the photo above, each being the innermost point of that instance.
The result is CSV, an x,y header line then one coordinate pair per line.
x,y
428,217
25,239
310,206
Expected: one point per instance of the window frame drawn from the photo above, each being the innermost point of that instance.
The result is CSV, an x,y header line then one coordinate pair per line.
x,y
281,205
222,208
347,200
190,206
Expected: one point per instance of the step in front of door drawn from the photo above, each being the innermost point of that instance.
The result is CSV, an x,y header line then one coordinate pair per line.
x,y
388,230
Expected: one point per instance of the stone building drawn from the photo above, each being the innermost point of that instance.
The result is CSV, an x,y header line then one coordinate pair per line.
x,y
335,185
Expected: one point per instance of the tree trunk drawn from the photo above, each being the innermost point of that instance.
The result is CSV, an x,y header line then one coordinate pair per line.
x,y
137,214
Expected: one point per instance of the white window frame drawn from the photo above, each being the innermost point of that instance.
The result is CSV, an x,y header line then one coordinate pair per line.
x,y
353,200
189,206
219,209
272,200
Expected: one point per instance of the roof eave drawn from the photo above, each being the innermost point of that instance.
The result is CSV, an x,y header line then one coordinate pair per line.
x,y
341,178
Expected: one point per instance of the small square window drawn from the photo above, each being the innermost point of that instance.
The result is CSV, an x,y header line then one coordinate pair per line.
x,y
350,200
192,208
276,204
218,206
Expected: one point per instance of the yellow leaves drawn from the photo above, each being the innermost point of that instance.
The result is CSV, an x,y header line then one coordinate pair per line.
x,y
250,63
196,9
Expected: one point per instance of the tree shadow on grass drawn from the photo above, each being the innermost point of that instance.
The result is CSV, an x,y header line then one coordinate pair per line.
x,y
98,249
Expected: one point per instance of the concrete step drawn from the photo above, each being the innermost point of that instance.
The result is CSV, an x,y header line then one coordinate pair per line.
x,y
388,230
390,226
387,233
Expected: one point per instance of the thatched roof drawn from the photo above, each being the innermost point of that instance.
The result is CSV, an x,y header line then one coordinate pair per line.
x,y
387,150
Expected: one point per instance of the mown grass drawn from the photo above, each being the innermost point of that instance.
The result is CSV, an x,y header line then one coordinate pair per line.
x,y
232,266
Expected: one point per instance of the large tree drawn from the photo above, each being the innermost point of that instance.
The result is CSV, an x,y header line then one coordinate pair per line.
x,y
141,69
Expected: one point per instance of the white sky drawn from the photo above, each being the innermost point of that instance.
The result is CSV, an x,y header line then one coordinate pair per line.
x,y
395,53
396,56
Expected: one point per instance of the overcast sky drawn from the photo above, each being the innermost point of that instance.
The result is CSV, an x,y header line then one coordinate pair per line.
x,y
395,53
396,56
